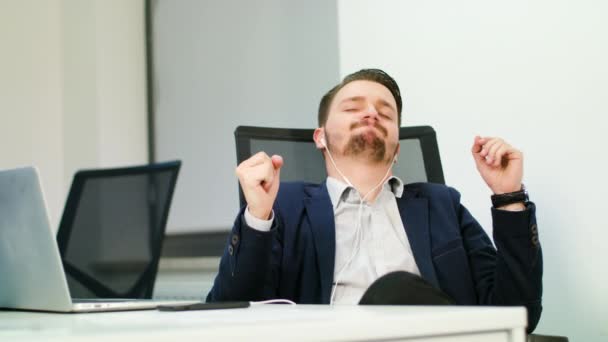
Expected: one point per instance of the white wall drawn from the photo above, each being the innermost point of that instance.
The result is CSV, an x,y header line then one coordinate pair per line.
x,y
31,108
72,88
533,72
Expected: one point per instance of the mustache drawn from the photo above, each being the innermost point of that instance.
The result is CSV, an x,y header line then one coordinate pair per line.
x,y
363,124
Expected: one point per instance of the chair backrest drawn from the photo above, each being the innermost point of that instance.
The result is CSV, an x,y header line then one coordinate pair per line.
x,y
419,159
546,338
112,229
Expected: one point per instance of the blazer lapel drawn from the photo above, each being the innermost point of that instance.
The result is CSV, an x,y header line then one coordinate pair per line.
x,y
415,216
321,217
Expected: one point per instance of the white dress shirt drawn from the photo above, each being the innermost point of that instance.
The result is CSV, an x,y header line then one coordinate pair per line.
x,y
384,244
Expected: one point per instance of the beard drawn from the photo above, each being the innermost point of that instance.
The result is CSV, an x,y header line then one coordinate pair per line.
x,y
360,144
367,144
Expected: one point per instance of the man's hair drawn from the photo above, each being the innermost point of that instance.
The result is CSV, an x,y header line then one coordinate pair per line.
x,y
373,75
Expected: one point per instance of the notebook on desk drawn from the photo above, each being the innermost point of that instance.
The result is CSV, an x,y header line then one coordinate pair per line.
x,y
32,271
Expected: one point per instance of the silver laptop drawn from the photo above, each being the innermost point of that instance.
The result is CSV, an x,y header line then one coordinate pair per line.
x,y
33,277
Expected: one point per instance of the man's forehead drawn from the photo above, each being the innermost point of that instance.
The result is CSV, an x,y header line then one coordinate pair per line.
x,y
364,89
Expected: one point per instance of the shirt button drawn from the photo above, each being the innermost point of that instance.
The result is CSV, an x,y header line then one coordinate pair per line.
x,y
230,250
234,240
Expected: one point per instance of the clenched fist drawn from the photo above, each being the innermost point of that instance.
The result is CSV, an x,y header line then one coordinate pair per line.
x,y
259,177
499,164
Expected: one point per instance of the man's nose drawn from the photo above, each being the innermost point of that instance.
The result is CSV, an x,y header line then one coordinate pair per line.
x,y
371,113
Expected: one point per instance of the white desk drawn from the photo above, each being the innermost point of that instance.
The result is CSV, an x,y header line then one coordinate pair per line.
x,y
274,323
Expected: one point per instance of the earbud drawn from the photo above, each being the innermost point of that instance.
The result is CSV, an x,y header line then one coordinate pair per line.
x,y
323,142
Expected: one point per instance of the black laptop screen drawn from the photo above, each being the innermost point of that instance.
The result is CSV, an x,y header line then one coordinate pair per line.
x,y
110,236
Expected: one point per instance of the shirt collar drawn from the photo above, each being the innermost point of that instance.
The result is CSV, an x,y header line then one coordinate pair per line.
x,y
337,189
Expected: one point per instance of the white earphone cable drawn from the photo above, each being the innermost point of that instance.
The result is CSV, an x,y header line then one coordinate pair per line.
x,y
358,234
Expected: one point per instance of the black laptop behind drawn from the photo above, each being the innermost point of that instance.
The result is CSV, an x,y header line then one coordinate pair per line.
x,y
112,229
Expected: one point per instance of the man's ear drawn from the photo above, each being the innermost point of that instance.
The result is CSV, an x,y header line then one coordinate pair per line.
x,y
319,137
396,155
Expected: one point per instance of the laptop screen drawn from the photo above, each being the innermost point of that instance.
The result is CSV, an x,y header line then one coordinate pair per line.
x,y
111,232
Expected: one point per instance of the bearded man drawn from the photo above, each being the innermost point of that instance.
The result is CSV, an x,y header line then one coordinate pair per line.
x,y
327,243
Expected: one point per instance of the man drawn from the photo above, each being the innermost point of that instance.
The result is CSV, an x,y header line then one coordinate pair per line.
x,y
326,243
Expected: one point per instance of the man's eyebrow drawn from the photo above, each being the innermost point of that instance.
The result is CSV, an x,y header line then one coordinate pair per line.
x,y
353,99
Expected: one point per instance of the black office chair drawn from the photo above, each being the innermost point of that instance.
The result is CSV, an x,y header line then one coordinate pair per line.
x,y
419,154
546,338
112,229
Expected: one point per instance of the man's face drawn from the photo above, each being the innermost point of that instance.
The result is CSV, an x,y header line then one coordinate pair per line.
x,y
363,122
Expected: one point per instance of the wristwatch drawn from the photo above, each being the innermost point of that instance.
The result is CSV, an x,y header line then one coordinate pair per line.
x,y
501,200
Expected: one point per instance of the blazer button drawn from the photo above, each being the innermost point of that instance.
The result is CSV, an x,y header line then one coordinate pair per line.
x,y
230,250
534,231
234,240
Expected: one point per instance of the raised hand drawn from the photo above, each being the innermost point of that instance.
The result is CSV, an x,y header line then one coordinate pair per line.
x,y
259,177
499,164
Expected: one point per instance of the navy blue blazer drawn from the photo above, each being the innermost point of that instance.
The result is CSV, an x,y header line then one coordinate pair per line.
x,y
295,259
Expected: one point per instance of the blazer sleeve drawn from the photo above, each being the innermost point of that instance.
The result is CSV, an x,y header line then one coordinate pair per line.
x,y
511,274
249,267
